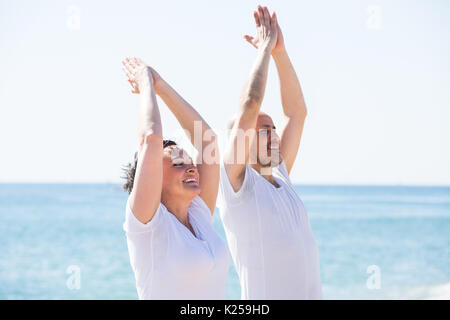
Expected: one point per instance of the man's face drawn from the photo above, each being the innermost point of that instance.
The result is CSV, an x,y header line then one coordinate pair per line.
x,y
268,142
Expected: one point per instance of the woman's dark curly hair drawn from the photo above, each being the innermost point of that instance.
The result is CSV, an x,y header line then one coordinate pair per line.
x,y
130,169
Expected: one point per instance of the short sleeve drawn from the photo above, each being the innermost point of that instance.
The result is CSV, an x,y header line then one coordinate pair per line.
x,y
133,225
199,207
147,244
227,195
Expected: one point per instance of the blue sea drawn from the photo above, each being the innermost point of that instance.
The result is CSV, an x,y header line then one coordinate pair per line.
x,y
51,234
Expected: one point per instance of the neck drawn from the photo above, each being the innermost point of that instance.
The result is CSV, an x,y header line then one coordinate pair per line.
x,y
265,172
179,208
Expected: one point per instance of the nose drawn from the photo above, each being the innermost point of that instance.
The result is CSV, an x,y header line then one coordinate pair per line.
x,y
191,169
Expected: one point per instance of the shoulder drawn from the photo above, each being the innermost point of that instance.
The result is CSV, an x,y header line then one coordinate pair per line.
x,y
227,192
133,225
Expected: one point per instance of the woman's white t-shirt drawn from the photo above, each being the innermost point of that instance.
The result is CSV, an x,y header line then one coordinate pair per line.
x,y
269,237
169,262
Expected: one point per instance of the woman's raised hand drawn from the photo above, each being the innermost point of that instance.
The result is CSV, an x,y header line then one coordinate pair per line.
x,y
139,74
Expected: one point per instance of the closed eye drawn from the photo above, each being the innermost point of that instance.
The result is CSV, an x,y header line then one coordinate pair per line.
x,y
178,164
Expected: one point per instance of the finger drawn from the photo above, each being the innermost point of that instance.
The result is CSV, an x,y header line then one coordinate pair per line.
x,y
128,61
132,84
261,15
127,66
128,73
278,25
274,20
134,87
138,62
252,43
256,16
267,17
250,40
132,62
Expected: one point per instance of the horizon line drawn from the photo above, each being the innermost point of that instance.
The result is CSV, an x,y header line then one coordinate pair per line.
x,y
294,183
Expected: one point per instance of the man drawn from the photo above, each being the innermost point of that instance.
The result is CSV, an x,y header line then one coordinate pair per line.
x,y
266,224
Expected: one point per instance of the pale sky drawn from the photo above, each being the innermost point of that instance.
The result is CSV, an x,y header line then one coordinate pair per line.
x,y
375,76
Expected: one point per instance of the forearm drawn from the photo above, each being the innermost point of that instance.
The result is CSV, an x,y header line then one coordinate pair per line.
x,y
291,92
238,150
146,194
149,122
186,115
202,138
255,84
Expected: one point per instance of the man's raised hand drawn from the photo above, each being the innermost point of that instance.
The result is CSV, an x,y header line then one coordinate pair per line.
x,y
266,29
258,40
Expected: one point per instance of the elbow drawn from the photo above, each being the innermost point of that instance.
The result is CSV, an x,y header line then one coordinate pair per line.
x,y
251,102
298,116
304,113
303,110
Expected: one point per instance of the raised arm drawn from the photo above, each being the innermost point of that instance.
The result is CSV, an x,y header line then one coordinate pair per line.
x,y
203,140
293,103
237,153
145,196
294,107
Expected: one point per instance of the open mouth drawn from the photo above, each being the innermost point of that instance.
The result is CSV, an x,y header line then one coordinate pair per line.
x,y
190,181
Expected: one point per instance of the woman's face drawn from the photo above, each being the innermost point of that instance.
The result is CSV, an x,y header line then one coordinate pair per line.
x,y
180,175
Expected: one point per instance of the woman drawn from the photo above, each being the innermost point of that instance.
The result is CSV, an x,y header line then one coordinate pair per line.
x,y
174,251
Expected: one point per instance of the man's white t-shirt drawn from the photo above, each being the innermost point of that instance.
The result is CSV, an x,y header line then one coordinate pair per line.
x,y
270,238
169,262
